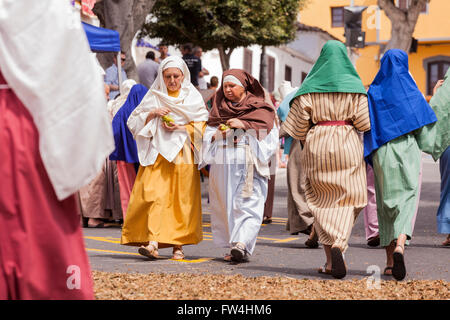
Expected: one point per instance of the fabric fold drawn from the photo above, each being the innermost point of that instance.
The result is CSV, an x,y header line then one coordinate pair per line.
x,y
187,107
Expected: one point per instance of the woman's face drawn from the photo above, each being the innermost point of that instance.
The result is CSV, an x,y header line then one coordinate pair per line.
x,y
233,92
173,78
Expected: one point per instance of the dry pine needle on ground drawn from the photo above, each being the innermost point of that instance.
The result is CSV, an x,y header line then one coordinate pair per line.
x,y
184,286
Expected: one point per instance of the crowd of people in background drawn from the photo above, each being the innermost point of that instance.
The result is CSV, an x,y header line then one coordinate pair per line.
x,y
136,160
321,122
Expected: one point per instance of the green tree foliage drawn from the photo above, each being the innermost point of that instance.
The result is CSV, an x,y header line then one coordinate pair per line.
x,y
223,24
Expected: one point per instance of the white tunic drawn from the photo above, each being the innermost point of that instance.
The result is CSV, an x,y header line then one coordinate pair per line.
x,y
238,180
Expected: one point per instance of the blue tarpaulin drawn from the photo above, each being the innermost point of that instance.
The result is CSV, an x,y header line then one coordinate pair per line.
x,y
102,40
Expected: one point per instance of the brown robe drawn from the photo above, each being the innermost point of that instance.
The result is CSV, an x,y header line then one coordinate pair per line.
x,y
101,198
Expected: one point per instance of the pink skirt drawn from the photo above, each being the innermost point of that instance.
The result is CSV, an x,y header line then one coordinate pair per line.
x,y
126,175
42,253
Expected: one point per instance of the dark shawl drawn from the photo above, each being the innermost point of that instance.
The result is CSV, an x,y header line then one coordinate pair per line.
x,y
253,110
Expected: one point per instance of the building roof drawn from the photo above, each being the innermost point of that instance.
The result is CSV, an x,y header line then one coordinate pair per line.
x,y
304,27
296,54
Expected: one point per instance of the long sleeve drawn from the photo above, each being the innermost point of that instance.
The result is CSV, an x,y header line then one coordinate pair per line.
x,y
209,147
361,119
136,122
298,121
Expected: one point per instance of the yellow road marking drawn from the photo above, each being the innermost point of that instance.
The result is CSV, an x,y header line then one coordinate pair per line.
x,y
276,240
286,240
137,254
103,239
111,251
206,236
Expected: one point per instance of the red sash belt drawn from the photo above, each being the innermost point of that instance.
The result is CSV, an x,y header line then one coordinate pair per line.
x,y
334,123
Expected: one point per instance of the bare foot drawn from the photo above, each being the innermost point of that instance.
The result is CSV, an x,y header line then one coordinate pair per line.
x,y
95,223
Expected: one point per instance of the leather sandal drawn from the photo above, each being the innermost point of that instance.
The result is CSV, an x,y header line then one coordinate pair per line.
x,y
399,268
338,268
385,272
150,251
238,252
178,253
374,241
311,243
267,220
324,269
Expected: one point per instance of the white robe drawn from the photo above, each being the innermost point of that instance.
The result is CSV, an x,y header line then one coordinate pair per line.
x,y
236,214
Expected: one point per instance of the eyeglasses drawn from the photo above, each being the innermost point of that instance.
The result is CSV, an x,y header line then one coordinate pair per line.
x,y
123,59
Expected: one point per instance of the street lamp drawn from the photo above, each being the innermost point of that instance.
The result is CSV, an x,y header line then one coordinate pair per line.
x,y
352,23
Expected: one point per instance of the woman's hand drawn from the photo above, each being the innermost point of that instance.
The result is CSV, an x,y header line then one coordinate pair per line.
x,y
222,134
173,126
438,84
235,124
158,112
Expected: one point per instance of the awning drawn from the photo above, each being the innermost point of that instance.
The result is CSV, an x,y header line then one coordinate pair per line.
x,y
102,40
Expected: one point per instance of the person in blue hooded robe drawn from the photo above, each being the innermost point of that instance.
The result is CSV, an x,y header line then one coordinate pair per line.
x,y
397,112
126,150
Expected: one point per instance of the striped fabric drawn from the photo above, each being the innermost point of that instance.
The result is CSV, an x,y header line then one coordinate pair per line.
x,y
336,186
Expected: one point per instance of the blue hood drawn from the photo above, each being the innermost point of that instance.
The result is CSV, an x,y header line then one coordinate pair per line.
x,y
396,105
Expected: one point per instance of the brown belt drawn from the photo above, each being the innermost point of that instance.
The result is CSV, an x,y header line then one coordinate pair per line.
x,y
334,123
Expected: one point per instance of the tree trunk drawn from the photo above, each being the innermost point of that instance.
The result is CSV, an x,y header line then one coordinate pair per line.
x,y
225,57
263,68
403,22
127,17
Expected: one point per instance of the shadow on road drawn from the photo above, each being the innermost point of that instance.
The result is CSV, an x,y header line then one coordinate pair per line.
x,y
305,272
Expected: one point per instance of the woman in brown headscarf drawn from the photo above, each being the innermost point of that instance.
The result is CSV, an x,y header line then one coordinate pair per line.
x,y
238,142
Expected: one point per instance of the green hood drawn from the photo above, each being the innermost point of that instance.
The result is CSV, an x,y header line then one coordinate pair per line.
x,y
332,72
435,138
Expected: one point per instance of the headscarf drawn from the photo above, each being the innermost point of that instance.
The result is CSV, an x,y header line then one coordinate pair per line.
x,y
332,72
286,94
151,138
396,105
254,111
126,149
435,138
115,104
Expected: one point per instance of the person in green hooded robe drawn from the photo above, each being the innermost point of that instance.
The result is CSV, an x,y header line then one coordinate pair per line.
x,y
434,139
326,114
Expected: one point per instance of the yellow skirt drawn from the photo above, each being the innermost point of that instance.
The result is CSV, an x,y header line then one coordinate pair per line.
x,y
165,205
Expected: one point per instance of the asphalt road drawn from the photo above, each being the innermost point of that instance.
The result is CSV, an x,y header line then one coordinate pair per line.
x,y
278,253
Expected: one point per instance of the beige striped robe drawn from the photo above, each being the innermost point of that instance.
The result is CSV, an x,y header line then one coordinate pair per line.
x,y
336,186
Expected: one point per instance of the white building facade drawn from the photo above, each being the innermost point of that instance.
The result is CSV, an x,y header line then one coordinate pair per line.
x,y
291,62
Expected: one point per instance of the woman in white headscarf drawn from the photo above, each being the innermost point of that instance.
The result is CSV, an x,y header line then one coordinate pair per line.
x,y
165,204
115,104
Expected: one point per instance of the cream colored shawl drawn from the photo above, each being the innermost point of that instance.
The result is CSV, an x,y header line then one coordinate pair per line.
x,y
151,138
117,103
